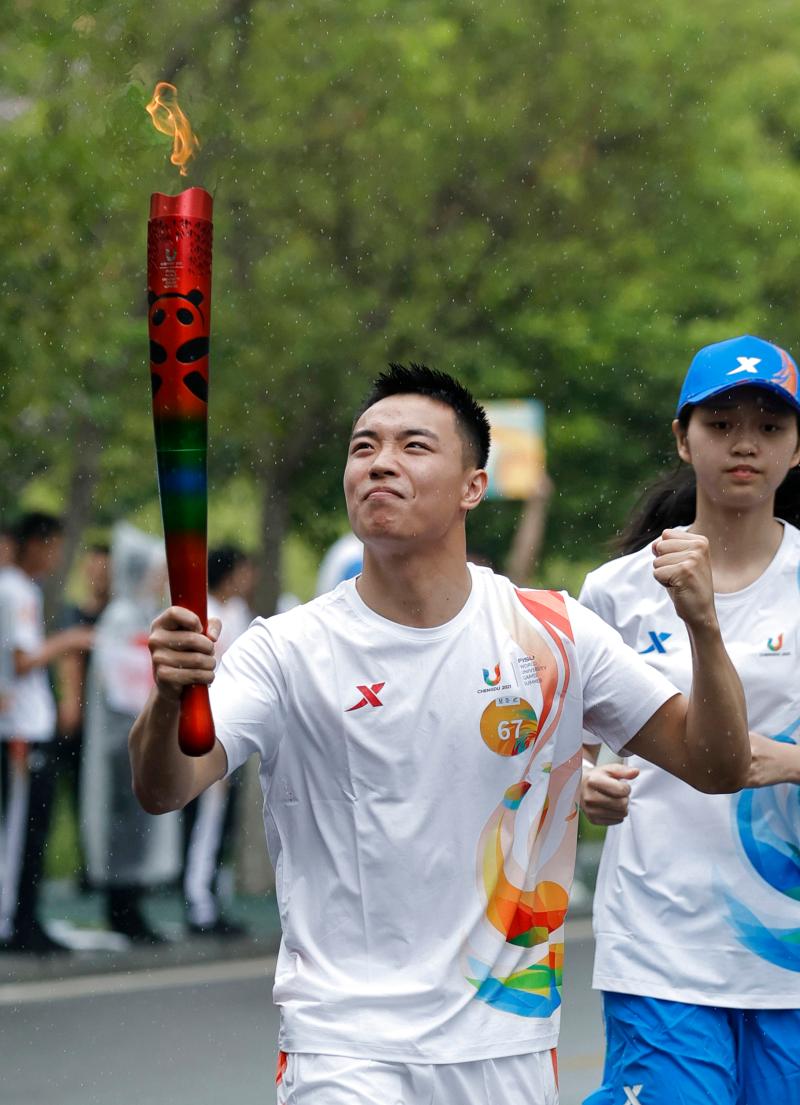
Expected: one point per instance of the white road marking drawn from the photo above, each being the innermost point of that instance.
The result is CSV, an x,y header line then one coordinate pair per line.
x,y
129,982
165,978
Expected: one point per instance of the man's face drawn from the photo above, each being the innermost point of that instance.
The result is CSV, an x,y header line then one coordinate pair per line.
x,y
43,555
244,579
408,476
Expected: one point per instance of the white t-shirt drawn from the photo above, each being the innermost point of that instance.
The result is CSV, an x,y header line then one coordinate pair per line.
x,y
697,895
31,711
420,810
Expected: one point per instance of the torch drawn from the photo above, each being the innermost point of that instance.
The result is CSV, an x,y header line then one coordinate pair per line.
x,y
179,239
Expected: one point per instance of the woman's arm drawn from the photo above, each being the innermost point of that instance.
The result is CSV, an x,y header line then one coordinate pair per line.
x,y
702,739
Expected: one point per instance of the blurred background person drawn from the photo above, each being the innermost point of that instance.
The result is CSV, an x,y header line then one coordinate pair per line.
x,y
27,728
128,852
343,560
696,909
71,672
209,820
232,577
8,548
8,545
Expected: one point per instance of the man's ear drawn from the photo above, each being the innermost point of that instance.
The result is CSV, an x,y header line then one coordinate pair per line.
x,y
681,441
475,490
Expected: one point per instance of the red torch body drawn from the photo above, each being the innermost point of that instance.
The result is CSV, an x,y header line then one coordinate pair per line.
x,y
179,242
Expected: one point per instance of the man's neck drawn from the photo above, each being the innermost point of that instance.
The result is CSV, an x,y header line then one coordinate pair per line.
x,y
421,589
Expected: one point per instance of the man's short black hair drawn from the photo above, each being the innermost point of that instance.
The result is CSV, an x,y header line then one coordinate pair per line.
x,y
37,526
418,379
222,562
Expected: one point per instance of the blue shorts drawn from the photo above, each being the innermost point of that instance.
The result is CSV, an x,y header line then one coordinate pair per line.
x,y
670,1053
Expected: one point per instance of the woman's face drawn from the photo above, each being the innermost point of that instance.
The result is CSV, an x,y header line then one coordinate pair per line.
x,y
741,444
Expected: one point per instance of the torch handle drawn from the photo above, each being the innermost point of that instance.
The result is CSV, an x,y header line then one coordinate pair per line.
x,y
186,566
196,727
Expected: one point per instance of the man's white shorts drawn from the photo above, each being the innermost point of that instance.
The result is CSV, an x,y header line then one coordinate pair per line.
x,y
304,1079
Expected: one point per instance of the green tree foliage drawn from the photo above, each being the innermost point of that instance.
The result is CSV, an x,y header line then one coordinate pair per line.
x,y
562,200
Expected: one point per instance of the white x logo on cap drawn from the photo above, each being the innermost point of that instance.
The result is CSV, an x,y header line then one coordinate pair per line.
x,y
746,364
632,1094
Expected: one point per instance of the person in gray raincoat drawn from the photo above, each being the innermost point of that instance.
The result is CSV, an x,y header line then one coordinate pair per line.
x,y
127,850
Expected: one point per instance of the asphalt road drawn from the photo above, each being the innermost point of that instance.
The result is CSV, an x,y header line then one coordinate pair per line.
x,y
201,1034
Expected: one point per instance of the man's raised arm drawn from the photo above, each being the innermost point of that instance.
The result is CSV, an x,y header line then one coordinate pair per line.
x,y
164,778
703,739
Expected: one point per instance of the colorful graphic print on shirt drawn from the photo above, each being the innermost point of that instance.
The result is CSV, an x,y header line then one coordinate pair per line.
x,y
526,851
767,822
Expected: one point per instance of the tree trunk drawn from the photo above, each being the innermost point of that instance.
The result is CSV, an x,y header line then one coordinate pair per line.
x,y
274,515
78,512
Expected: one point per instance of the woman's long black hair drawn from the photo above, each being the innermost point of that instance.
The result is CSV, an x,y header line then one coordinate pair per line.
x,y
672,501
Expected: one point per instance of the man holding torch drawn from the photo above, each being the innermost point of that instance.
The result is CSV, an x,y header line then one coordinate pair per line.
x,y
419,732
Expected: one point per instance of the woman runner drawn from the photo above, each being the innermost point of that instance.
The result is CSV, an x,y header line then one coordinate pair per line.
x,y
697,908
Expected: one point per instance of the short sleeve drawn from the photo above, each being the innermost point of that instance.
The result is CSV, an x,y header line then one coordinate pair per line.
x,y
7,622
595,599
621,692
25,612
586,598
248,697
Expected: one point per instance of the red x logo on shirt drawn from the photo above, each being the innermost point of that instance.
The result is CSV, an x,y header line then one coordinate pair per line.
x,y
369,696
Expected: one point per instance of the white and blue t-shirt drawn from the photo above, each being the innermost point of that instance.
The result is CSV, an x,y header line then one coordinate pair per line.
x,y
698,896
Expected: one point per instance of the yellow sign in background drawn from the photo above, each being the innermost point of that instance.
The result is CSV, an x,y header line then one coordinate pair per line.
x,y
516,461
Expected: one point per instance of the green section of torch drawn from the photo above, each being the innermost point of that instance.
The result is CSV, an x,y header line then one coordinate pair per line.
x,y
181,453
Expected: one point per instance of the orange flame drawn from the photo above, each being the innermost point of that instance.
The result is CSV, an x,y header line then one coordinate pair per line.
x,y
167,116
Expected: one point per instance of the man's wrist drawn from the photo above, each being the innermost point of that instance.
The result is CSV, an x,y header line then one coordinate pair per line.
x,y
166,701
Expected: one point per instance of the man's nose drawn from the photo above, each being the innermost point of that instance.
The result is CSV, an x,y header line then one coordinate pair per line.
x,y
383,461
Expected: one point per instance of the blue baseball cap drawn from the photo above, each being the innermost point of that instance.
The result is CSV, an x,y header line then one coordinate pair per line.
x,y
736,362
